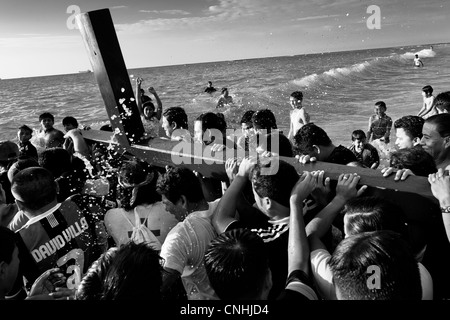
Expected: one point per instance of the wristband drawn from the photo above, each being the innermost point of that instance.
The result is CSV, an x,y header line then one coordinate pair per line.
x,y
445,209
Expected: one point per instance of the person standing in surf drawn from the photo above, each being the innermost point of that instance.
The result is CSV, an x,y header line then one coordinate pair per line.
x,y
380,124
417,62
299,117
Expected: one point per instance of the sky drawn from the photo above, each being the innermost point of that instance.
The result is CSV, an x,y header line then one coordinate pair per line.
x,y
40,37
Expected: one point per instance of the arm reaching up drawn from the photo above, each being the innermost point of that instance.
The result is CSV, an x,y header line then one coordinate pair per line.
x,y
158,110
226,209
298,247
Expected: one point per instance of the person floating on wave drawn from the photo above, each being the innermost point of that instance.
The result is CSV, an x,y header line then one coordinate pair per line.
x,y
210,89
417,62
225,99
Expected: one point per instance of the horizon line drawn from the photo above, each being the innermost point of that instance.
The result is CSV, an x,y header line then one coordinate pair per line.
x,y
243,59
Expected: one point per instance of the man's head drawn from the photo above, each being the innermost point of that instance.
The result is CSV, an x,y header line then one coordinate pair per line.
x,y
309,139
47,120
380,108
69,123
420,162
208,127
264,121
56,160
148,109
33,188
9,151
370,213
296,99
272,185
180,190
246,122
376,265
408,131
209,84
238,267
427,91
436,136
359,139
24,133
174,118
442,102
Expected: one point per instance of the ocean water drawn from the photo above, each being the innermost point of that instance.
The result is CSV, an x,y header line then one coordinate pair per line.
x,y
340,89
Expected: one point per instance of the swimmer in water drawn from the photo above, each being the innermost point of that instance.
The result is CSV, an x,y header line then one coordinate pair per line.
x,y
417,62
225,99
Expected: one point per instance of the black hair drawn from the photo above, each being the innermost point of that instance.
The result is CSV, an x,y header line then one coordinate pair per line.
x,y
412,125
236,263
26,128
428,90
177,115
247,116
264,119
358,135
442,123
91,285
35,187
70,121
140,177
381,104
135,273
178,181
297,95
309,135
442,101
277,182
420,162
358,257
372,213
46,115
56,160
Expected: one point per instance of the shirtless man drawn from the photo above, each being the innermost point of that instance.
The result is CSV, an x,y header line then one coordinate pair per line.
x,y
48,136
298,115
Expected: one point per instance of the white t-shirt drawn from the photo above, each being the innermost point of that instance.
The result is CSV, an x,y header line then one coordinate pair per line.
x,y
184,251
159,221
324,277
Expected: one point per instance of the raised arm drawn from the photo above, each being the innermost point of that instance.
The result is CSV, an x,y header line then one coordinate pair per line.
x,y
319,225
298,247
158,102
225,212
138,95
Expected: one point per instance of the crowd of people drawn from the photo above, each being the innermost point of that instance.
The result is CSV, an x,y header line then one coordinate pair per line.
x,y
82,222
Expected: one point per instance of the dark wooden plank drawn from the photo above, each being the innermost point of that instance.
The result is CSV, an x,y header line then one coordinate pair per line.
x,y
161,152
105,55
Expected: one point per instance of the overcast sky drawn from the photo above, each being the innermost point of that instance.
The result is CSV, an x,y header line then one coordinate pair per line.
x,y
38,38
